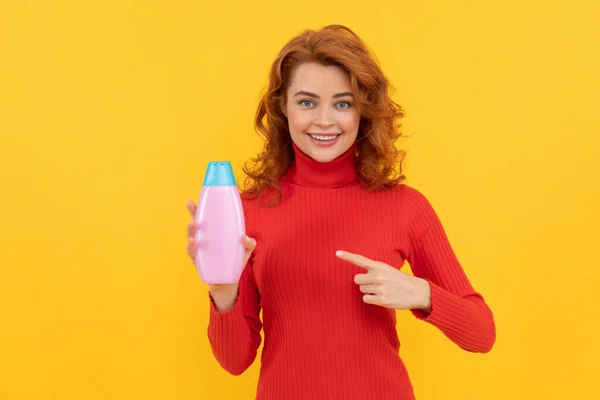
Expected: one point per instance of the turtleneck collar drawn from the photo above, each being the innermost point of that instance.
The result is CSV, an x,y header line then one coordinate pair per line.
x,y
337,173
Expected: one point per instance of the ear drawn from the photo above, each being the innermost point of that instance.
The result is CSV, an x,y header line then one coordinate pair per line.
x,y
282,105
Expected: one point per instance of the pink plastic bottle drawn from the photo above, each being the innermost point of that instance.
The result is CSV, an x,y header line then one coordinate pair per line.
x,y
220,254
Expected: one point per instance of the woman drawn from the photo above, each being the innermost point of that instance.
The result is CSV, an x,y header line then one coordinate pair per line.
x,y
330,223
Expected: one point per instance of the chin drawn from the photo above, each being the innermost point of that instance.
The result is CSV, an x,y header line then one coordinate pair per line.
x,y
323,158
326,154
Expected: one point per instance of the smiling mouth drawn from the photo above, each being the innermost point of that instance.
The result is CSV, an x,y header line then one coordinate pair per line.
x,y
324,137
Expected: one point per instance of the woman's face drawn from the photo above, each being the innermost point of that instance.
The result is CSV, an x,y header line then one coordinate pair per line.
x,y
322,118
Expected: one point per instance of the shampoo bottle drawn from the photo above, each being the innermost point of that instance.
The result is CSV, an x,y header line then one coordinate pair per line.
x,y
220,253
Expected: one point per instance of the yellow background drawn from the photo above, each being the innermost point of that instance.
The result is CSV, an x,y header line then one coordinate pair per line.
x,y
110,110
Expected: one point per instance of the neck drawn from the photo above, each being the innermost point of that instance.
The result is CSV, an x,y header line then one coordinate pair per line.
x,y
337,173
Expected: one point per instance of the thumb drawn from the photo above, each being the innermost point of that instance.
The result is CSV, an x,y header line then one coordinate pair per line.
x,y
249,243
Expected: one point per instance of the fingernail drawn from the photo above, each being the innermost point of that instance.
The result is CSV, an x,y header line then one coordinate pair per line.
x,y
339,253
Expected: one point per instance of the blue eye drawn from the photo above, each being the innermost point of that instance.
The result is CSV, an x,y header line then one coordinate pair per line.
x,y
304,103
344,102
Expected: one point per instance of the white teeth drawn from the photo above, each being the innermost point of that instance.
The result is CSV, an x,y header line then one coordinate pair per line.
x,y
326,138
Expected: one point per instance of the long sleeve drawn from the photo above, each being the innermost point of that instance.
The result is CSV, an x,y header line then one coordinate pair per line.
x,y
234,335
457,309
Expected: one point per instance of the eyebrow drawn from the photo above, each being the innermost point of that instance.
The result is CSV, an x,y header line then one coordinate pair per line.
x,y
309,94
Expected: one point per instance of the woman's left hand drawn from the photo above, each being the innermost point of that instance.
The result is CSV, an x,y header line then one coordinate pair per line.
x,y
386,286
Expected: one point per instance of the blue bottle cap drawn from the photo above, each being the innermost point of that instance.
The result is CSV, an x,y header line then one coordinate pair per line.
x,y
219,173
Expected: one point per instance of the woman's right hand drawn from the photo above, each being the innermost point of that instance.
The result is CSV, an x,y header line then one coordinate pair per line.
x,y
223,295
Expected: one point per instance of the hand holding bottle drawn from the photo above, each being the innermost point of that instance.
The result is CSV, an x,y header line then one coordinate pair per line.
x,y
224,295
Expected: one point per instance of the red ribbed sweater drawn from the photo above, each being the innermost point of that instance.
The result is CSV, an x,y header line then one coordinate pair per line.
x,y
321,341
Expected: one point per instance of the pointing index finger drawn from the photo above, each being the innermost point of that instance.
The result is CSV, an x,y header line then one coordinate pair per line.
x,y
357,259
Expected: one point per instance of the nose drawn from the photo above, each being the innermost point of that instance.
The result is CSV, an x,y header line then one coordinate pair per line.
x,y
324,119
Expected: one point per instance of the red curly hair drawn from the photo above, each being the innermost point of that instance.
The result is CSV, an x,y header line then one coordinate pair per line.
x,y
379,161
